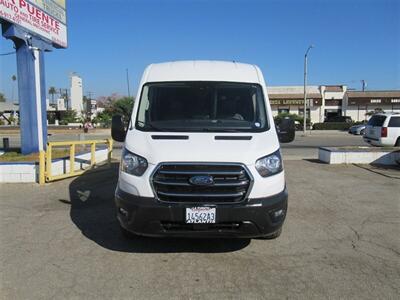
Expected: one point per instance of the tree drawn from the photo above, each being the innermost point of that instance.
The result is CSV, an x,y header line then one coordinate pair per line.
x,y
52,92
2,98
103,118
375,111
121,106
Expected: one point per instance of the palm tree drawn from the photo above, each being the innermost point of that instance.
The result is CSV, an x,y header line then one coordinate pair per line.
x,y
13,78
52,92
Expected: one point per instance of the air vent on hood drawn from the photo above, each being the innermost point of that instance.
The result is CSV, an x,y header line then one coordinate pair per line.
x,y
170,137
233,137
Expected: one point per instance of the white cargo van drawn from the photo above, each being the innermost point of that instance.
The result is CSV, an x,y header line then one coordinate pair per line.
x,y
201,156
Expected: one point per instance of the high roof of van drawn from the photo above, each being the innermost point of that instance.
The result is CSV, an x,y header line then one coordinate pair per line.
x,y
203,70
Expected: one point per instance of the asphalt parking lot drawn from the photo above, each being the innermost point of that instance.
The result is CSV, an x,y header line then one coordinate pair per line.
x,y
340,240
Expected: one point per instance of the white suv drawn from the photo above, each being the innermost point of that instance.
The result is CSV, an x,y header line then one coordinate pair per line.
x,y
383,130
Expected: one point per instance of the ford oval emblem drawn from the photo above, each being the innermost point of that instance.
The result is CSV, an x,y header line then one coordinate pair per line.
x,y
201,180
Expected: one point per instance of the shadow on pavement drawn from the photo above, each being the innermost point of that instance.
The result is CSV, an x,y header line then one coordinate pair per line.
x,y
389,171
93,212
315,161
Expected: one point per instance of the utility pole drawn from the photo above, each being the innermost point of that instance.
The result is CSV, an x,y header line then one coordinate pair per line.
x,y
127,81
305,90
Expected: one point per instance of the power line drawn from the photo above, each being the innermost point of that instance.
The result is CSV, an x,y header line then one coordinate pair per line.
x,y
8,53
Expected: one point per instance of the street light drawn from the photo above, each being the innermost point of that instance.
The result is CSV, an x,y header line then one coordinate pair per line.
x,y
305,90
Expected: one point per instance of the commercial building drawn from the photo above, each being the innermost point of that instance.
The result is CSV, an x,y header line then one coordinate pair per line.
x,y
360,103
8,113
290,99
328,101
77,94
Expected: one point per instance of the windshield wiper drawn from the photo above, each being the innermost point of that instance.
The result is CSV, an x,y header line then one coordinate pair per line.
x,y
150,126
215,130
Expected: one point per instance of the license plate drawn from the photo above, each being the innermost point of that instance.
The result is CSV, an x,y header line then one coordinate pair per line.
x,y
201,214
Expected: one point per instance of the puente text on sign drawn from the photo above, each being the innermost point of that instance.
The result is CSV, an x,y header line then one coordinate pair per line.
x,y
35,26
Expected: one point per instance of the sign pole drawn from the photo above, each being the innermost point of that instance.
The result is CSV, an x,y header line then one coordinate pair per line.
x,y
31,88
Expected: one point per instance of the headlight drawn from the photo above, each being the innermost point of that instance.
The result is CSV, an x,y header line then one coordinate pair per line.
x,y
133,164
270,164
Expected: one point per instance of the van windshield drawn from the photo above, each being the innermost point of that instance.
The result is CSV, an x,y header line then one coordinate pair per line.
x,y
202,106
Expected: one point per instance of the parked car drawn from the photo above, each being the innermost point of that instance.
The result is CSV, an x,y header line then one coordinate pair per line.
x,y
201,156
383,130
357,129
339,119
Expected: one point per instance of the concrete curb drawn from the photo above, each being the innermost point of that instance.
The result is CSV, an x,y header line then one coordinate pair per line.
x,y
28,172
358,156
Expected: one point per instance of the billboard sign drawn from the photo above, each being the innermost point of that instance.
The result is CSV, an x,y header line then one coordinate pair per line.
x,y
46,18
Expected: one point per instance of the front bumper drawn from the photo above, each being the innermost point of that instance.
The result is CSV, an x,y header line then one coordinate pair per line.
x,y
150,217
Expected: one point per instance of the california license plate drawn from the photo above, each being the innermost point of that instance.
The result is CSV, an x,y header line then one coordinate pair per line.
x,y
201,214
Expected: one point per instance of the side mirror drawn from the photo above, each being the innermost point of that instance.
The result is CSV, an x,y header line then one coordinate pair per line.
x,y
118,132
286,130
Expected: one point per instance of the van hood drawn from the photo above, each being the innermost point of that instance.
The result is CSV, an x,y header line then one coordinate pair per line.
x,y
159,147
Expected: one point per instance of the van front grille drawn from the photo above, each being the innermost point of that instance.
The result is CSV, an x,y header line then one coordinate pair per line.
x,y
176,182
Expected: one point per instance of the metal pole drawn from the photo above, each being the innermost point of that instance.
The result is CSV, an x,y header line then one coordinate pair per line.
x,y
305,94
305,90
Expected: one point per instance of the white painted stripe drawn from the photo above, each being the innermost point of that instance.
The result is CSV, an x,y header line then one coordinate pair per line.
x,y
38,98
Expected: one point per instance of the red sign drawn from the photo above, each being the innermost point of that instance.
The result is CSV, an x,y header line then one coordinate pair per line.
x,y
34,19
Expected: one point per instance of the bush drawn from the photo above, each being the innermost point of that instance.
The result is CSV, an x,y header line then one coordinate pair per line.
x,y
332,126
294,117
68,116
104,119
359,123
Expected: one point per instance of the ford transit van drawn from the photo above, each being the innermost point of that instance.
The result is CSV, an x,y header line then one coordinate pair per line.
x,y
201,154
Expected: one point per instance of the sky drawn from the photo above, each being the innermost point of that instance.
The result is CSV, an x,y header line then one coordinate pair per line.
x,y
354,40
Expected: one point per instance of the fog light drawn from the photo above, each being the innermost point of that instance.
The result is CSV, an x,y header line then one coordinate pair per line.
x,y
278,213
123,212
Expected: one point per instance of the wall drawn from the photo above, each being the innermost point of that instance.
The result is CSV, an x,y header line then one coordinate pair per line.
x,y
17,172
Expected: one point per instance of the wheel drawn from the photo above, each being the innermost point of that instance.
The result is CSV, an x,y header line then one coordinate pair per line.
x,y
272,236
397,142
126,233
362,131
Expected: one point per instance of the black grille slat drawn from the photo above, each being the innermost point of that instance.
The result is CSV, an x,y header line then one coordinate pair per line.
x,y
217,183
202,195
231,173
171,183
